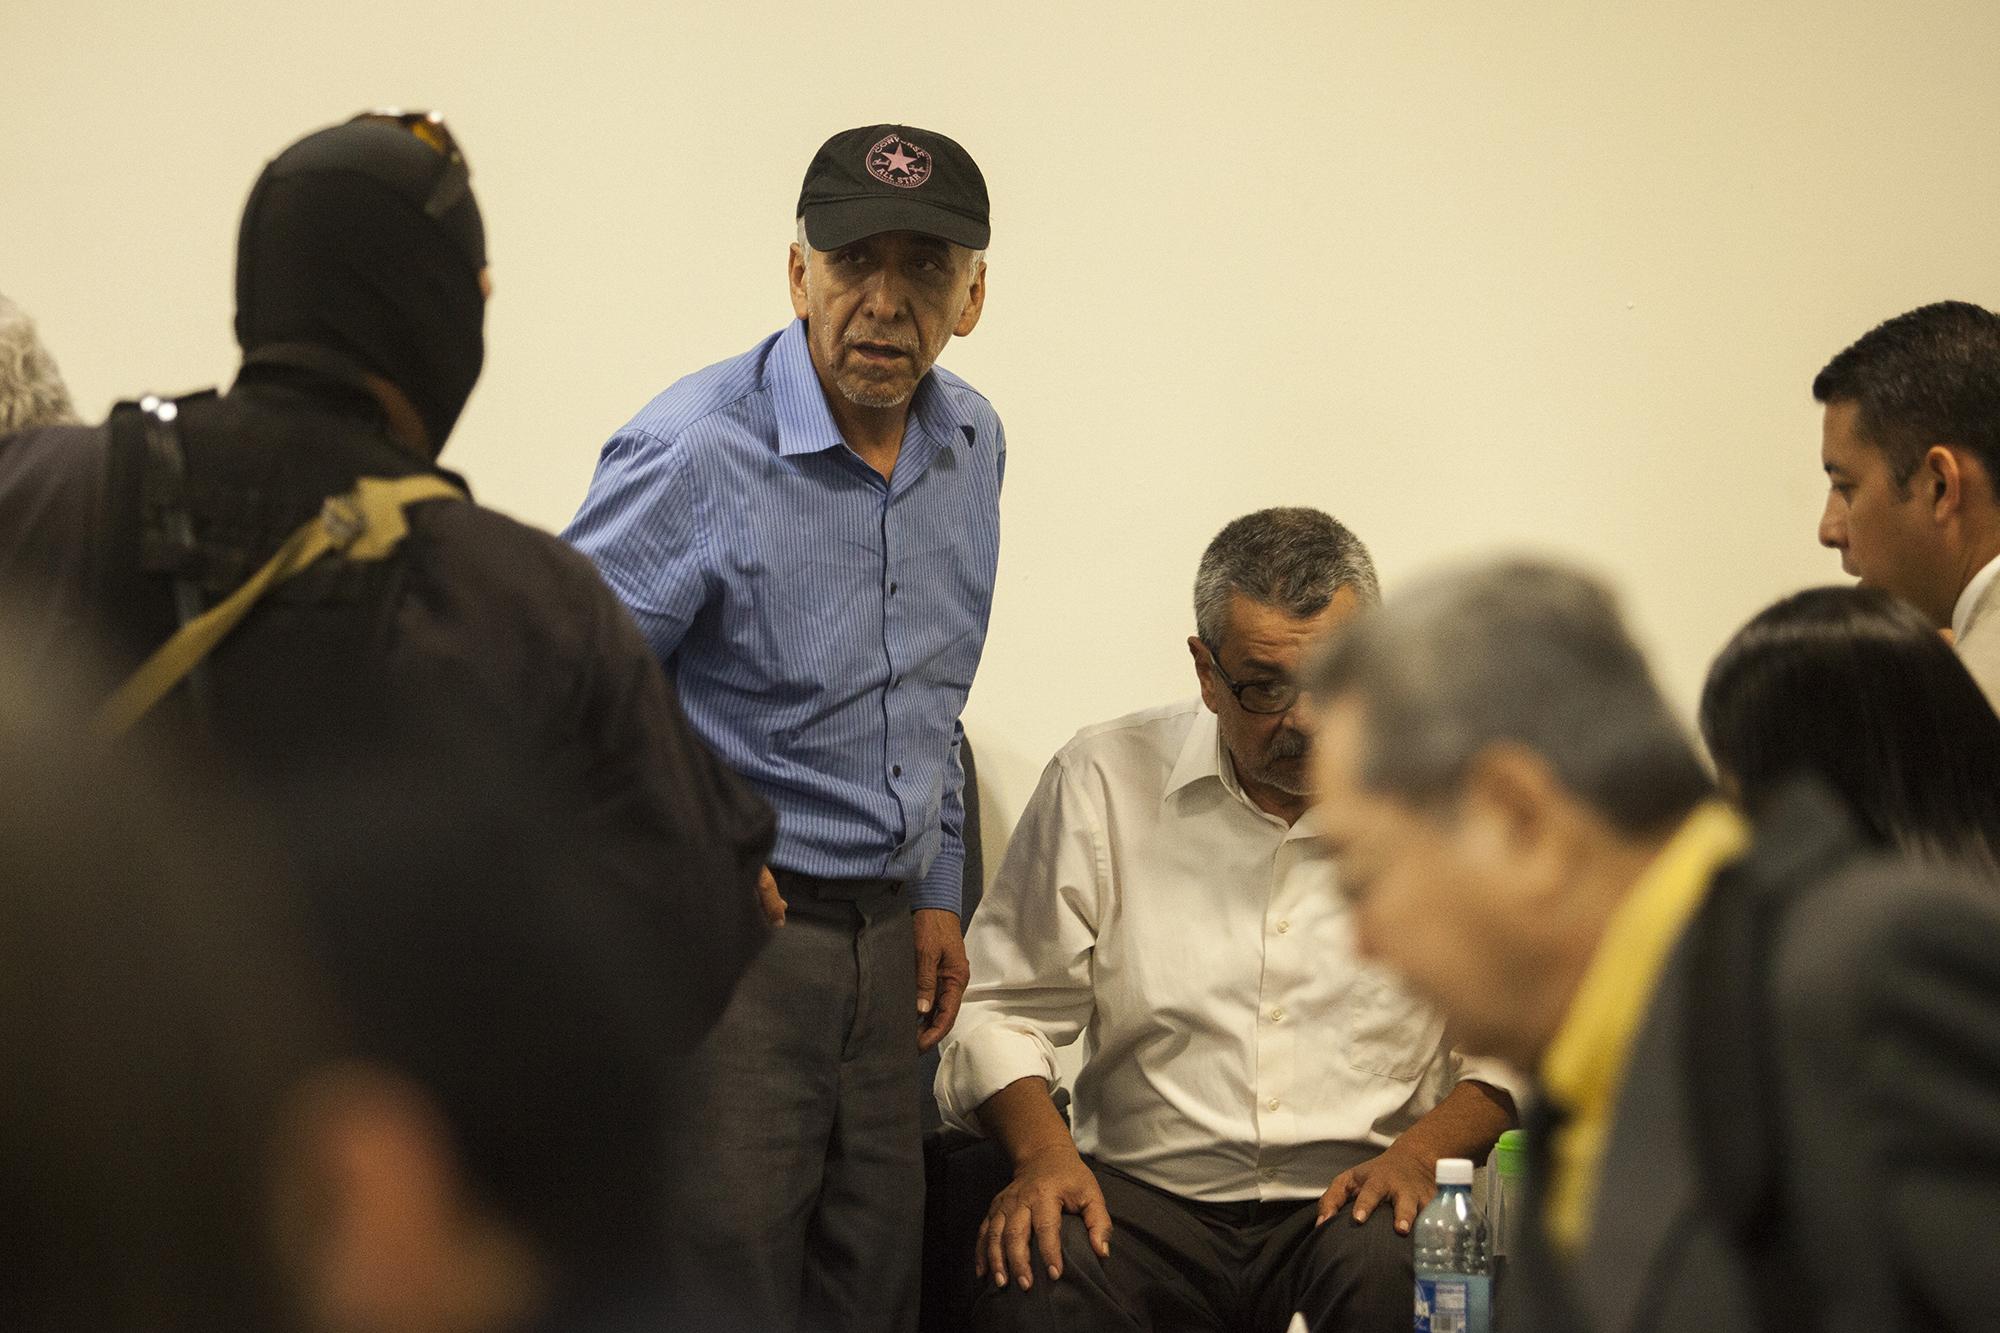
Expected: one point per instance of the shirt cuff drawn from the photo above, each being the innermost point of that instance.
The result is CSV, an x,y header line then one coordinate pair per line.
x,y
982,1062
943,885
1495,1074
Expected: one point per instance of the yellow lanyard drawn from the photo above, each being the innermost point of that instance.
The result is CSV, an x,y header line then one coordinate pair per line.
x,y
366,523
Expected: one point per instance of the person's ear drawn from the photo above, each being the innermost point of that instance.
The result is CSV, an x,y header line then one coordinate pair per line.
x,y
1958,478
1204,673
968,319
795,274
1942,476
1514,818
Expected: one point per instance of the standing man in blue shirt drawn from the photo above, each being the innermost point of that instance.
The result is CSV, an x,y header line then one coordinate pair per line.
x,y
807,535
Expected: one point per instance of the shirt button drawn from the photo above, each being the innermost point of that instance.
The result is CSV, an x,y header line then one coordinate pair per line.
x,y
1271,1105
892,590
1284,926
1278,1014
897,771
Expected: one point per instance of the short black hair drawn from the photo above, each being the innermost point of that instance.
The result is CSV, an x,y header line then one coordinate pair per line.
x,y
1853,687
1931,376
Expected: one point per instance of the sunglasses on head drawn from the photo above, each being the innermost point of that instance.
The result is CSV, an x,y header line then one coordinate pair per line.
x,y
429,129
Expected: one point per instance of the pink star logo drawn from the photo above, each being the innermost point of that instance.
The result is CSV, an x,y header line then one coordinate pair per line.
x,y
896,161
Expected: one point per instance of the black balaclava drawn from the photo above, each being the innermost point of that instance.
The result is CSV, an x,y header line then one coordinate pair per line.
x,y
360,252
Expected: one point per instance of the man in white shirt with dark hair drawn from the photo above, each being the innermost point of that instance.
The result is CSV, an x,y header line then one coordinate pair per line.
x,y
1911,446
1258,1115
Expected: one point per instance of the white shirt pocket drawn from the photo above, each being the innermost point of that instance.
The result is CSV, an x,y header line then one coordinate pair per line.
x,y
1391,1032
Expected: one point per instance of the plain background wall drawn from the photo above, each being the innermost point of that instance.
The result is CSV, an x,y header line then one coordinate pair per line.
x,y
1469,276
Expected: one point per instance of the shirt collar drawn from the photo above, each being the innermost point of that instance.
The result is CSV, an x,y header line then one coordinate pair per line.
x,y
940,415
1968,601
1584,1067
1201,756
1204,758
805,422
1586,1061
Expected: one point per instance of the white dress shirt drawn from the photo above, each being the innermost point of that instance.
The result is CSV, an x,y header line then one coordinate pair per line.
x,y
1968,598
1199,948
1976,630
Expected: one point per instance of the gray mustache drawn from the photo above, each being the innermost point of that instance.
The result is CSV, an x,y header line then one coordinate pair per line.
x,y
907,348
1288,745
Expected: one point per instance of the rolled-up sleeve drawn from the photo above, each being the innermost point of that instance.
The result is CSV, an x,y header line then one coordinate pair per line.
x,y
1031,946
1493,1073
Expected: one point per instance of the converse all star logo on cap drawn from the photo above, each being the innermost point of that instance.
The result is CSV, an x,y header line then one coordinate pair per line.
x,y
879,178
899,162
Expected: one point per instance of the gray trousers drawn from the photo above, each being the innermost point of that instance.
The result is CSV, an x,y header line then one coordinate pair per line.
x,y
800,1199
1177,1264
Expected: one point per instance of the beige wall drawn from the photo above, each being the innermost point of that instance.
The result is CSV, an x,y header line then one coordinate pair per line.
x,y
1468,275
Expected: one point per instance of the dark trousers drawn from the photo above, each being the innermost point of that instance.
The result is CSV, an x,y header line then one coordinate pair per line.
x,y
1177,1264
800,1201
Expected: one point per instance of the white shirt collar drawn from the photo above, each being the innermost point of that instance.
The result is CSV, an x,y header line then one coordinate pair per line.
x,y
1961,613
1200,756
1204,756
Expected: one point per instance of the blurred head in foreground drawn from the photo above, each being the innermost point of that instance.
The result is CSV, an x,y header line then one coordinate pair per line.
x,y
1496,766
157,1022
31,388
507,1012
406,1085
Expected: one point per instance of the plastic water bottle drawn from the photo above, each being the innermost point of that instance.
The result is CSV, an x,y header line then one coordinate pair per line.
x,y
1454,1260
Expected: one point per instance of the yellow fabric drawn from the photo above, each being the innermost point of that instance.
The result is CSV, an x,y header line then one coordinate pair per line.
x,y
1585,1064
366,523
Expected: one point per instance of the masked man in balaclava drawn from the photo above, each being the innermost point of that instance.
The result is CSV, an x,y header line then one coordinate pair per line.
x,y
287,584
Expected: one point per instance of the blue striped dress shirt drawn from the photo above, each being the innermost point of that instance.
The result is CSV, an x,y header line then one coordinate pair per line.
x,y
821,625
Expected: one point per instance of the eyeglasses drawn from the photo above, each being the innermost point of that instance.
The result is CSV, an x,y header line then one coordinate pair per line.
x,y
429,129
1265,697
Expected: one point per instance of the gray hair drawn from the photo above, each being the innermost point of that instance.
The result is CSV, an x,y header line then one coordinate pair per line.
x,y
31,388
805,249
1520,651
1291,559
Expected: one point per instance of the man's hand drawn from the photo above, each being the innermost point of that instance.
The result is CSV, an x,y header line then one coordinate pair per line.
x,y
943,973
1399,1177
1052,1182
769,898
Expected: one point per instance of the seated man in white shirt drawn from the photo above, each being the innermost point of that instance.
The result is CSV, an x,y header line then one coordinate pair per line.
x,y
1258,1114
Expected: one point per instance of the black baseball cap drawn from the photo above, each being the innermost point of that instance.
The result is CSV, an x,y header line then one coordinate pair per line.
x,y
893,178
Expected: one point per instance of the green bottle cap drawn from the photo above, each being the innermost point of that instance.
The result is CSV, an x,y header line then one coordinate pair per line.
x,y
1510,1155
